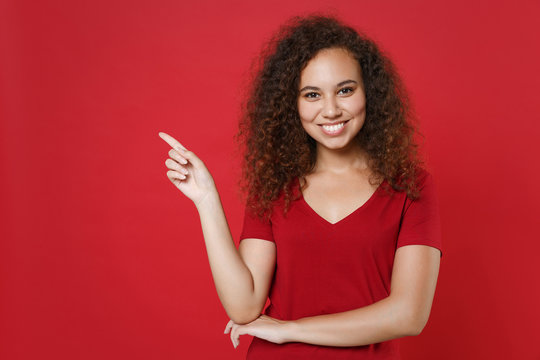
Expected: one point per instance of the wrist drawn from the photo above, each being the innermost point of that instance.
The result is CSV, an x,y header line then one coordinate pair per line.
x,y
209,201
290,331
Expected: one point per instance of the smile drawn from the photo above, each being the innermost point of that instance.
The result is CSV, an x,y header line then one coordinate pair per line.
x,y
334,129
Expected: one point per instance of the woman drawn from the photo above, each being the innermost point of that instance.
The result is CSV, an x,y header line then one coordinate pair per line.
x,y
341,226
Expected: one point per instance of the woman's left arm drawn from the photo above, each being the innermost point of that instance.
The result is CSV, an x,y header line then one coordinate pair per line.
x,y
404,312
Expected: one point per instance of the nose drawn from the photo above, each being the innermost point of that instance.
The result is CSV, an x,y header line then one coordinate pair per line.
x,y
331,108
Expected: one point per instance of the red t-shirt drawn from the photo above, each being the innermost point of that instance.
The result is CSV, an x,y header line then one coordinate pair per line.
x,y
324,268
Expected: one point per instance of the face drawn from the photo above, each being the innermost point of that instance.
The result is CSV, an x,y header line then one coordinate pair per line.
x,y
331,100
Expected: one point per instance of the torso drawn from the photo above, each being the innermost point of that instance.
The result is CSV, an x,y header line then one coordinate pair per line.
x,y
323,268
334,197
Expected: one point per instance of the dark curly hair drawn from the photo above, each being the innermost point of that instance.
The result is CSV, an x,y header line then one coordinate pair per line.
x,y
276,148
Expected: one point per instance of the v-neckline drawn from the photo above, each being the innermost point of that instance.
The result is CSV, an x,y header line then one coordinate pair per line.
x,y
347,217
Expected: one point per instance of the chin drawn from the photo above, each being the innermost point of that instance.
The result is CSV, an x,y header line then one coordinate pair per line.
x,y
335,145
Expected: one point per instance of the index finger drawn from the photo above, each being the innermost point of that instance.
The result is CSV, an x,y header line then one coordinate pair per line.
x,y
171,141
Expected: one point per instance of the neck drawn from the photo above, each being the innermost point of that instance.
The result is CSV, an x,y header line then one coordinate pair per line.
x,y
351,158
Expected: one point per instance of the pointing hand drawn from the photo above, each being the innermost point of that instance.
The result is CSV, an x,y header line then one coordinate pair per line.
x,y
187,172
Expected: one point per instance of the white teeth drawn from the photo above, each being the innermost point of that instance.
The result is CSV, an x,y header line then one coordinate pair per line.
x,y
333,127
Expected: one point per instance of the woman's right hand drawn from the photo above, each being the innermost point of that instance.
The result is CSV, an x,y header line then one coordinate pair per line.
x,y
188,172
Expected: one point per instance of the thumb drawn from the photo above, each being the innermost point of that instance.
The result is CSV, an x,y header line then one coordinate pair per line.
x,y
228,327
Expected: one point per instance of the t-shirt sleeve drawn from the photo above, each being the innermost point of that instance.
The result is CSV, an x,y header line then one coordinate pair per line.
x,y
421,223
254,227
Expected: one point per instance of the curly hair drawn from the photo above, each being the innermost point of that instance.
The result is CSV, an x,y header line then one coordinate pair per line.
x,y
276,148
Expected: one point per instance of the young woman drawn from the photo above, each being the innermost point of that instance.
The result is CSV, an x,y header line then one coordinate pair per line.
x,y
341,226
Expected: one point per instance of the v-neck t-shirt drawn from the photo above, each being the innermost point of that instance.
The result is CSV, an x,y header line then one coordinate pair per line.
x,y
323,268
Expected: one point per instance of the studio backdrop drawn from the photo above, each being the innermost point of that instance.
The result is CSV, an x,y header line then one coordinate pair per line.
x,y
101,257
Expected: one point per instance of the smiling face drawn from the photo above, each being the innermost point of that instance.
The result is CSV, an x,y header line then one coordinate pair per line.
x,y
331,102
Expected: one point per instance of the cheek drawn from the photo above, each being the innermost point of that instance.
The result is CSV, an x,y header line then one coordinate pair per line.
x,y
307,111
357,106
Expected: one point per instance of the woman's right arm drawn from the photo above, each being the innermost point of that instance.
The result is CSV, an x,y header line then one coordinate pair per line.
x,y
242,277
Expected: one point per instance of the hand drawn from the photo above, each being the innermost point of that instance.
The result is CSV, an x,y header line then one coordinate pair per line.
x,y
187,171
264,327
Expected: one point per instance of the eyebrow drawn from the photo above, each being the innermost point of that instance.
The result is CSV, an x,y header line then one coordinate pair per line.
x,y
338,85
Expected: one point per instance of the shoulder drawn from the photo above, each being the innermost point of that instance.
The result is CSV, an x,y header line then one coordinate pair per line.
x,y
427,191
424,187
424,178
290,192
417,181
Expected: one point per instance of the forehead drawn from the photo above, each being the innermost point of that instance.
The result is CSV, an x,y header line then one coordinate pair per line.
x,y
331,66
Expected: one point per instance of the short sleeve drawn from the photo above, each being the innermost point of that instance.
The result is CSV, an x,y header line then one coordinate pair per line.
x,y
254,227
421,223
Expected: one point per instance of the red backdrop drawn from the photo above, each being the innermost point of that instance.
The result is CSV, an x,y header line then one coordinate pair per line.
x,y
103,258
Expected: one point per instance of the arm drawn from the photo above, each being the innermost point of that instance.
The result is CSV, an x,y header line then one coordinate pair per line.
x,y
403,313
406,310
242,279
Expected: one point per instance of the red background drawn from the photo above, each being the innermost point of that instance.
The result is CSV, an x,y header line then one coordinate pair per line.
x,y
103,258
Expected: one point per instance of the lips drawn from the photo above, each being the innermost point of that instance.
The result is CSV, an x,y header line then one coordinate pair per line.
x,y
333,128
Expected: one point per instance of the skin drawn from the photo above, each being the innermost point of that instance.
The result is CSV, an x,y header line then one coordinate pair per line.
x,y
341,171
332,91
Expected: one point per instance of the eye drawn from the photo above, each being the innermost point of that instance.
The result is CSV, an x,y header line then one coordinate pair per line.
x,y
346,90
311,95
